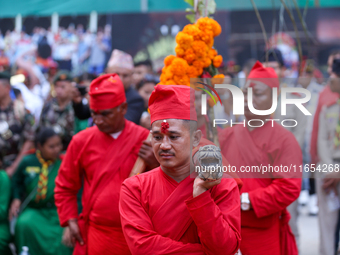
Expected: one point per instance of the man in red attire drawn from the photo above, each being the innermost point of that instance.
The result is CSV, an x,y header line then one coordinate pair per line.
x,y
166,211
99,158
264,218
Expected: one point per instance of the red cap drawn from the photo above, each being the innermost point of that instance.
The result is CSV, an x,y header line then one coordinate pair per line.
x,y
106,92
172,102
265,75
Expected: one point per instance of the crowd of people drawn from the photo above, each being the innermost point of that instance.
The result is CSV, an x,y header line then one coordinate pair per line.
x,y
72,49
74,122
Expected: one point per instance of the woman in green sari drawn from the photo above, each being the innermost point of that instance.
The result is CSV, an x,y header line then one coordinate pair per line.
x,y
5,194
38,226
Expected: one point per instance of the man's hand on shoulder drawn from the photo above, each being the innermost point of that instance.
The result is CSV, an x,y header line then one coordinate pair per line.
x,y
201,186
146,153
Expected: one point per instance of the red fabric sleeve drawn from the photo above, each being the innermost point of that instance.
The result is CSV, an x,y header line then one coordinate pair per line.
x,y
68,183
284,188
218,219
138,229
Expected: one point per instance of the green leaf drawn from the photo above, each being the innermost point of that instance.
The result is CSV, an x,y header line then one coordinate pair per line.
x,y
212,70
189,10
191,17
191,2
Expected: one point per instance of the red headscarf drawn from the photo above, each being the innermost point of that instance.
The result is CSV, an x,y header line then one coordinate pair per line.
x,y
106,92
172,102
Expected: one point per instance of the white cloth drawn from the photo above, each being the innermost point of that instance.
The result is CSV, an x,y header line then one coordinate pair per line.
x,y
115,135
33,103
43,88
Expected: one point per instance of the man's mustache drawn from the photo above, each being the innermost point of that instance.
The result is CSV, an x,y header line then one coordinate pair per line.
x,y
166,152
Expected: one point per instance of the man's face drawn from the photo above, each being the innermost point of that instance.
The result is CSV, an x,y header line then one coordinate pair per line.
x,y
4,89
145,92
124,74
279,70
262,100
109,120
334,83
173,149
63,89
139,73
305,79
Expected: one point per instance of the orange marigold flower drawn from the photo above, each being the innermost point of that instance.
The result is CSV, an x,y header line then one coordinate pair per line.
x,y
184,40
181,79
211,101
168,60
179,66
206,36
204,24
211,43
199,64
189,55
207,62
162,78
220,75
212,53
216,28
217,61
200,48
168,74
195,85
217,79
192,72
179,51
192,29
170,82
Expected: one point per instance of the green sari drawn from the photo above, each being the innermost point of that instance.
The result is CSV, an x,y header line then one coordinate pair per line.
x,y
38,224
5,194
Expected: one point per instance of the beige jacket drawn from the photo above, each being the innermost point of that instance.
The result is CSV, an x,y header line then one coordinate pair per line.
x,y
328,122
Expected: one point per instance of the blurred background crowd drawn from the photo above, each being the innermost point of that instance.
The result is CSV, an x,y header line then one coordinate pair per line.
x,y
47,65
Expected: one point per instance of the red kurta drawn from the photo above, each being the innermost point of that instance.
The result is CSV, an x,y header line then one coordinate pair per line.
x,y
266,225
101,163
326,97
160,216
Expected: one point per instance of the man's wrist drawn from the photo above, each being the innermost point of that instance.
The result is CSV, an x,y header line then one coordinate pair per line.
x,y
198,191
72,220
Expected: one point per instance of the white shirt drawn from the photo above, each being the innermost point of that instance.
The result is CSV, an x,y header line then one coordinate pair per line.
x,y
115,135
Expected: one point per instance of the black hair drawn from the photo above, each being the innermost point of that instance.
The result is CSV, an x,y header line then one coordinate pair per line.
x,y
43,135
84,77
274,55
147,79
336,67
147,63
335,52
249,64
191,124
17,92
230,74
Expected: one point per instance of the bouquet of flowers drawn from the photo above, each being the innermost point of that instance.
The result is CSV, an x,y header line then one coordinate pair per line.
x,y
195,54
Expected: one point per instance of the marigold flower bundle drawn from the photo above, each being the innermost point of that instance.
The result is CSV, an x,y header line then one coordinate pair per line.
x,y
194,53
